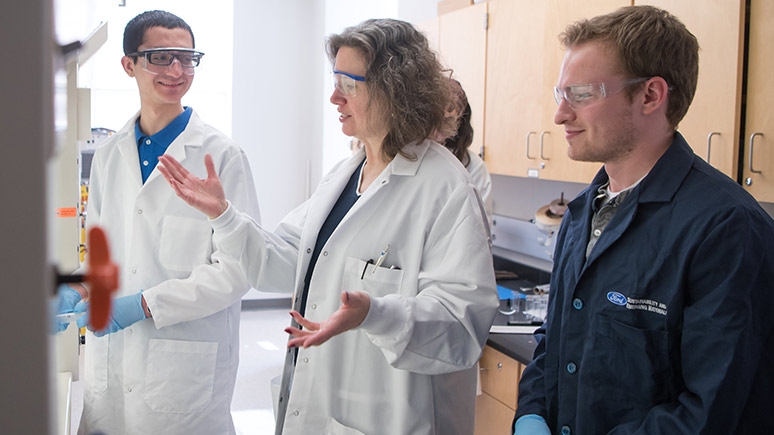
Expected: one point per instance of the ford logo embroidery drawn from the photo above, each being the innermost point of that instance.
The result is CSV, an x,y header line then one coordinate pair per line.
x,y
616,298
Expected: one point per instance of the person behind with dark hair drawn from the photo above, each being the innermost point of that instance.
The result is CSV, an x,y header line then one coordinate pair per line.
x,y
390,258
458,140
167,362
662,290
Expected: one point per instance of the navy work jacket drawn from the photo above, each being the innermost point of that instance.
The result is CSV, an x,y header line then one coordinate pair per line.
x,y
667,327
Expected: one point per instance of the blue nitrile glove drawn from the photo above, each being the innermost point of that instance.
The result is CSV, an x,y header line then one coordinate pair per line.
x,y
531,424
126,311
67,298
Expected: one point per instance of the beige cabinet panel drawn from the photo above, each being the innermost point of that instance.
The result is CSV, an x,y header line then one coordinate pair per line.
x,y
462,42
758,173
492,417
555,163
496,406
524,57
712,124
430,29
500,376
514,79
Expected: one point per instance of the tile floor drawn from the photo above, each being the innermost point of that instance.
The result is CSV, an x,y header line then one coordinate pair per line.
x,y
261,358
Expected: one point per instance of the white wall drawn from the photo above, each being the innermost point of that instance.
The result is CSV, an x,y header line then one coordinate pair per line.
x,y
275,87
417,11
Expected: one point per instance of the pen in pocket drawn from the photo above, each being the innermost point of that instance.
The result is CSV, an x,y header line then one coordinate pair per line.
x,y
370,261
381,258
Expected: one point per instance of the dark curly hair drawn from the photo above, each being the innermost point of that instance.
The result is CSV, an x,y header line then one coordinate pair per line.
x,y
404,77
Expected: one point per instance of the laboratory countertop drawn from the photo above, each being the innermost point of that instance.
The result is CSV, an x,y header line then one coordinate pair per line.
x,y
520,347
516,342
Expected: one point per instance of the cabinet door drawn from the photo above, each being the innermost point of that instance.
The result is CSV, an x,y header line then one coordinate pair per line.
x,y
554,162
462,42
712,124
759,129
430,29
500,375
492,417
514,83
524,57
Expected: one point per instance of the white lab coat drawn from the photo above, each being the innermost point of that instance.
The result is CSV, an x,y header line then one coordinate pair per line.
x,y
410,367
482,180
174,373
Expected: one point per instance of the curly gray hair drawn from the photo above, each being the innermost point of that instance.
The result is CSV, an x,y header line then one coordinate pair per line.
x,y
409,87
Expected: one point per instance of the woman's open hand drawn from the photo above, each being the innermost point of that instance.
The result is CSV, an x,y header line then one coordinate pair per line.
x,y
353,310
205,195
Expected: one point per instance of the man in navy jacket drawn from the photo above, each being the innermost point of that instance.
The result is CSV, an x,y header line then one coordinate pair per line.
x,y
662,294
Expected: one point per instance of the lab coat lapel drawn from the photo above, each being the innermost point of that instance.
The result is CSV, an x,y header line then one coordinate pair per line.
x,y
618,224
660,185
191,136
331,187
322,201
574,253
399,166
127,147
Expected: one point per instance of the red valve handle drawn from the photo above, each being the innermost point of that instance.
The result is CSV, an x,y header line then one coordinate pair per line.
x,y
102,278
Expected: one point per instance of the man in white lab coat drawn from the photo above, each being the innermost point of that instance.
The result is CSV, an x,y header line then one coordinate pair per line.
x,y
167,362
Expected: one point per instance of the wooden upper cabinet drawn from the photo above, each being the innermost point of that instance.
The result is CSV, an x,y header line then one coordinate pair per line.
x,y
758,172
430,29
462,44
712,124
555,163
524,57
514,82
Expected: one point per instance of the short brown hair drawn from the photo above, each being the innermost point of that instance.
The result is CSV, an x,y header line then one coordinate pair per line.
x,y
649,42
405,79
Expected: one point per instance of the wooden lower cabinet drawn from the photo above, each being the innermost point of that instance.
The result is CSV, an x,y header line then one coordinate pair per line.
x,y
496,406
492,417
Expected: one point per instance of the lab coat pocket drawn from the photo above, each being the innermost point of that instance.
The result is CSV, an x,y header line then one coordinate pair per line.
x,y
336,428
185,243
630,366
361,276
180,374
95,364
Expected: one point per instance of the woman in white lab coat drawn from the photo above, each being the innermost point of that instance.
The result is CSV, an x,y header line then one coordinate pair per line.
x,y
389,259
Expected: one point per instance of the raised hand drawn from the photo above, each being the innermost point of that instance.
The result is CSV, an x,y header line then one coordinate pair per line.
x,y
204,194
353,310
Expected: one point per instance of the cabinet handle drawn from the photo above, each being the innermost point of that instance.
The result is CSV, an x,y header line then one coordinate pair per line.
x,y
709,144
750,155
541,144
486,369
528,135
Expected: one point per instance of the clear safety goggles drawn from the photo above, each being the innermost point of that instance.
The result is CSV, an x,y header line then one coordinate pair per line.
x,y
160,60
580,96
346,83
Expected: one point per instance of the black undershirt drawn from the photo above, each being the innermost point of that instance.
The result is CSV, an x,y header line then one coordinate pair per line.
x,y
345,202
